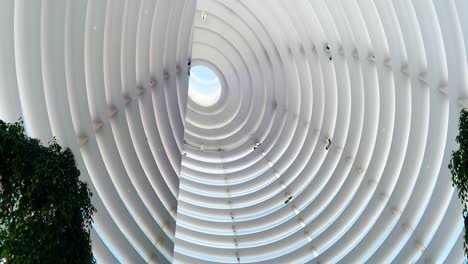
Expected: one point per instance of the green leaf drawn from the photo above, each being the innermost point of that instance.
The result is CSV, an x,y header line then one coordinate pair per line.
x,y
45,210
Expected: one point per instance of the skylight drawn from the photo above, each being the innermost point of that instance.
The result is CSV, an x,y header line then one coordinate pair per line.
x,y
204,86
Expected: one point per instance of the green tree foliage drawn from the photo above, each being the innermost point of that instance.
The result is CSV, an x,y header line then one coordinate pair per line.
x,y
459,168
45,210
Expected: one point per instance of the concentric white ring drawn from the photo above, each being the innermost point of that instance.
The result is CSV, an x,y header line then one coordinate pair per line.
x,y
329,143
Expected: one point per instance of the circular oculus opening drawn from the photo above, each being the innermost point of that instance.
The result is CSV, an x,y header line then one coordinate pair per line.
x,y
204,86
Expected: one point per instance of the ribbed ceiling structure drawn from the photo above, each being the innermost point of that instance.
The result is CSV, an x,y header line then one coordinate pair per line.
x,y
329,144
108,79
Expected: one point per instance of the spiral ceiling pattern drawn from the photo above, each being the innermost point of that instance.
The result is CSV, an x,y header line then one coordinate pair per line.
x,y
329,143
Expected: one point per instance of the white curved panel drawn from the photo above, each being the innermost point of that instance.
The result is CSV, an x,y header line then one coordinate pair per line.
x,y
329,142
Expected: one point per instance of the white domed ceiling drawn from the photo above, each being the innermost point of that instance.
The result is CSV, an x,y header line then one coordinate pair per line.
x,y
327,142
